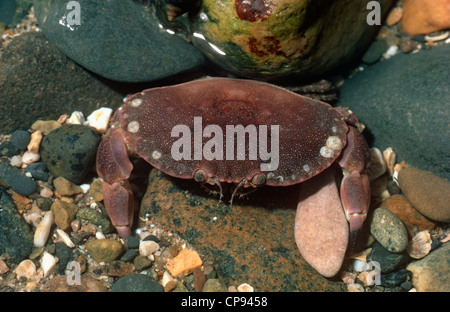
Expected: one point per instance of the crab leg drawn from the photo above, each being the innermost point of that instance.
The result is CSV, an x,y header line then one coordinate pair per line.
x,y
114,167
355,186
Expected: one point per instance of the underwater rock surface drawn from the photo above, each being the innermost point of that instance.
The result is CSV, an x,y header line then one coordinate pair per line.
x,y
118,39
403,102
251,242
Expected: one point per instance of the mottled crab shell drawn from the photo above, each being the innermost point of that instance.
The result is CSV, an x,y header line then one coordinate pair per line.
x,y
305,125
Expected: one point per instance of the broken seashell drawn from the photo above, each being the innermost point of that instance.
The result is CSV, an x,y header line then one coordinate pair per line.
x,y
420,245
65,238
77,118
437,37
48,262
43,230
389,157
99,119
377,166
245,288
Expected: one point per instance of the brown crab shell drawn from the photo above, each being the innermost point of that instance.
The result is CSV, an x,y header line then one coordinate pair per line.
x,y
304,127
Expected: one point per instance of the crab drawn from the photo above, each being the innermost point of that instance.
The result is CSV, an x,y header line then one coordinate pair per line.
x,y
312,136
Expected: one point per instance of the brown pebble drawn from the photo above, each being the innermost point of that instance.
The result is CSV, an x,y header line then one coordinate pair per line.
x,y
199,279
119,268
421,17
170,285
3,267
65,187
64,213
428,193
87,284
407,45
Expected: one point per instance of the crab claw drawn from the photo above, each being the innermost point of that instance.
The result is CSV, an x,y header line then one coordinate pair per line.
x,y
114,167
355,186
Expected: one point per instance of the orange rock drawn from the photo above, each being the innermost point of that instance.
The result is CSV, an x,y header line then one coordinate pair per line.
x,y
186,260
421,17
394,16
412,219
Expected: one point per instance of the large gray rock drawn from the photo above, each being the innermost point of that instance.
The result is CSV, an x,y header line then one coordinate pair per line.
x,y
404,102
117,39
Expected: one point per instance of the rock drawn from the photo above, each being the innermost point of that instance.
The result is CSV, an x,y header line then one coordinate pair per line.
x,y
251,241
64,255
129,255
214,285
136,283
245,288
87,284
35,142
26,269
3,267
70,152
96,218
134,49
104,250
283,37
394,16
375,52
321,233
391,90
421,17
7,9
395,278
120,268
146,248
43,230
428,193
131,241
96,190
142,263
407,45
64,213
16,238
45,126
389,230
8,149
355,287
20,139
37,171
186,260
388,261
65,187
411,218
14,178
32,71
431,274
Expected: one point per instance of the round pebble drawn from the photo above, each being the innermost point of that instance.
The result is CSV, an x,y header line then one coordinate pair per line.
x,y
20,138
70,151
428,193
64,213
389,230
96,218
136,283
214,285
104,250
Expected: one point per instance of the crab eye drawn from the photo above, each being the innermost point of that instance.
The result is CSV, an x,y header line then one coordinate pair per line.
x,y
259,179
200,176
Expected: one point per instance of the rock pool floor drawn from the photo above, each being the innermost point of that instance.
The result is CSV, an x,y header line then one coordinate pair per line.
x,y
248,253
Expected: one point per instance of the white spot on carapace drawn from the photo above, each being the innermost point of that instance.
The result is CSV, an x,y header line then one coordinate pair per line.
x,y
133,127
307,168
156,154
334,129
326,152
136,102
334,143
